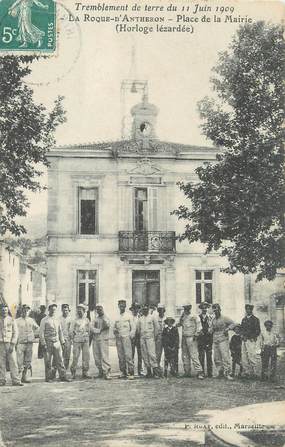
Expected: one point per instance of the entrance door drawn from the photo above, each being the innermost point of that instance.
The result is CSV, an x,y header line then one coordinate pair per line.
x,y
146,287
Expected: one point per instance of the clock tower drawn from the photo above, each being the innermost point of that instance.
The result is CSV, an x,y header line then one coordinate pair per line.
x,y
144,121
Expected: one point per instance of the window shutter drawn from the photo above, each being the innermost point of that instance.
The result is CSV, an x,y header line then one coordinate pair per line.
x,y
153,209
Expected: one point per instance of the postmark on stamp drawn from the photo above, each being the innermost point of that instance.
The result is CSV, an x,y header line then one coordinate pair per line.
x,y
28,26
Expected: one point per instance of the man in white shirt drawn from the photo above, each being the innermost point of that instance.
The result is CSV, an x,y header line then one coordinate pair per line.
x,y
124,331
27,331
79,334
65,322
8,340
52,340
148,330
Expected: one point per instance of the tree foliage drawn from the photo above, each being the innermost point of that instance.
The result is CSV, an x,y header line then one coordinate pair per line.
x,y
26,134
237,205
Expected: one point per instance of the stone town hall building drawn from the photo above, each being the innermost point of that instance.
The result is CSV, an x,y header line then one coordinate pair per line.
x,y
110,231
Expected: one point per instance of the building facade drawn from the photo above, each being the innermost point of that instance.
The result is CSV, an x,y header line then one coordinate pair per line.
x,y
20,282
111,234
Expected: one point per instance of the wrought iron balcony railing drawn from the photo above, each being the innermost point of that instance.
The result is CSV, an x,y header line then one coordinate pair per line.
x,y
147,241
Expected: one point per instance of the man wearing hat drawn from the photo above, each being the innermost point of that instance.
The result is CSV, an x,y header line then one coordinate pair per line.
x,y
250,330
8,340
100,329
136,344
158,340
148,330
52,340
220,327
205,339
65,322
191,327
79,335
27,330
124,331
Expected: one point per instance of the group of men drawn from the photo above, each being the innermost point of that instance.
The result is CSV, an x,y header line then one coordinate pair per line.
x,y
144,331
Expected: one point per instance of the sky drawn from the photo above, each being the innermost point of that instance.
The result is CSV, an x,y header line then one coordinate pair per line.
x,y
92,60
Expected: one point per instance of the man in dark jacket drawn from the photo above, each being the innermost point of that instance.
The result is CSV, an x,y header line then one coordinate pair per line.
x,y
205,340
250,330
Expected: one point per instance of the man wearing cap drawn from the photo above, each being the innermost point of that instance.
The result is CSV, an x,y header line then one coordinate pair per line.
x,y
27,330
8,340
100,329
158,339
65,322
136,344
191,327
205,340
250,330
124,331
148,330
52,340
79,335
220,327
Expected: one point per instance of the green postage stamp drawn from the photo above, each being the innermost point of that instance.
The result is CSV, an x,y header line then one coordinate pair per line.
x,y
27,26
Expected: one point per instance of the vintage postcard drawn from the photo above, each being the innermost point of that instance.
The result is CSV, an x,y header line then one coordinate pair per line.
x,y
142,284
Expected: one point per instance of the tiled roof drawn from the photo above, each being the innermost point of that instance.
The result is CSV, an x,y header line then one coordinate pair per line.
x,y
153,146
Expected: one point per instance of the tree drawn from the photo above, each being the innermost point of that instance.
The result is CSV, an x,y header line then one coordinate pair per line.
x,y
237,205
26,134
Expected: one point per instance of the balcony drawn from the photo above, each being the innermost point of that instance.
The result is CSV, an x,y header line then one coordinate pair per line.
x,y
147,241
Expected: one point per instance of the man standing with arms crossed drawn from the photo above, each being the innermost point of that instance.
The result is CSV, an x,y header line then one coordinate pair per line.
x,y
220,327
52,340
100,329
124,331
148,330
191,327
79,334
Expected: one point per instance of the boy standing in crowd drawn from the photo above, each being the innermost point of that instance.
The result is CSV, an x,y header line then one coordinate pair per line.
x,y
235,348
170,342
269,344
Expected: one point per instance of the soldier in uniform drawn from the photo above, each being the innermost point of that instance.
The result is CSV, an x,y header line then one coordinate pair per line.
x,y
27,330
65,321
205,340
148,330
136,344
52,340
8,340
79,335
191,327
124,331
158,340
250,330
100,328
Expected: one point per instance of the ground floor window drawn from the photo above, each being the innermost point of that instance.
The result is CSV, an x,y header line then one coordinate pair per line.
x,y
204,286
87,288
146,286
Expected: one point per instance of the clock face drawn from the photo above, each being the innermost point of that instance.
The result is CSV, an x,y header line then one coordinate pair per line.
x,y
145,128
